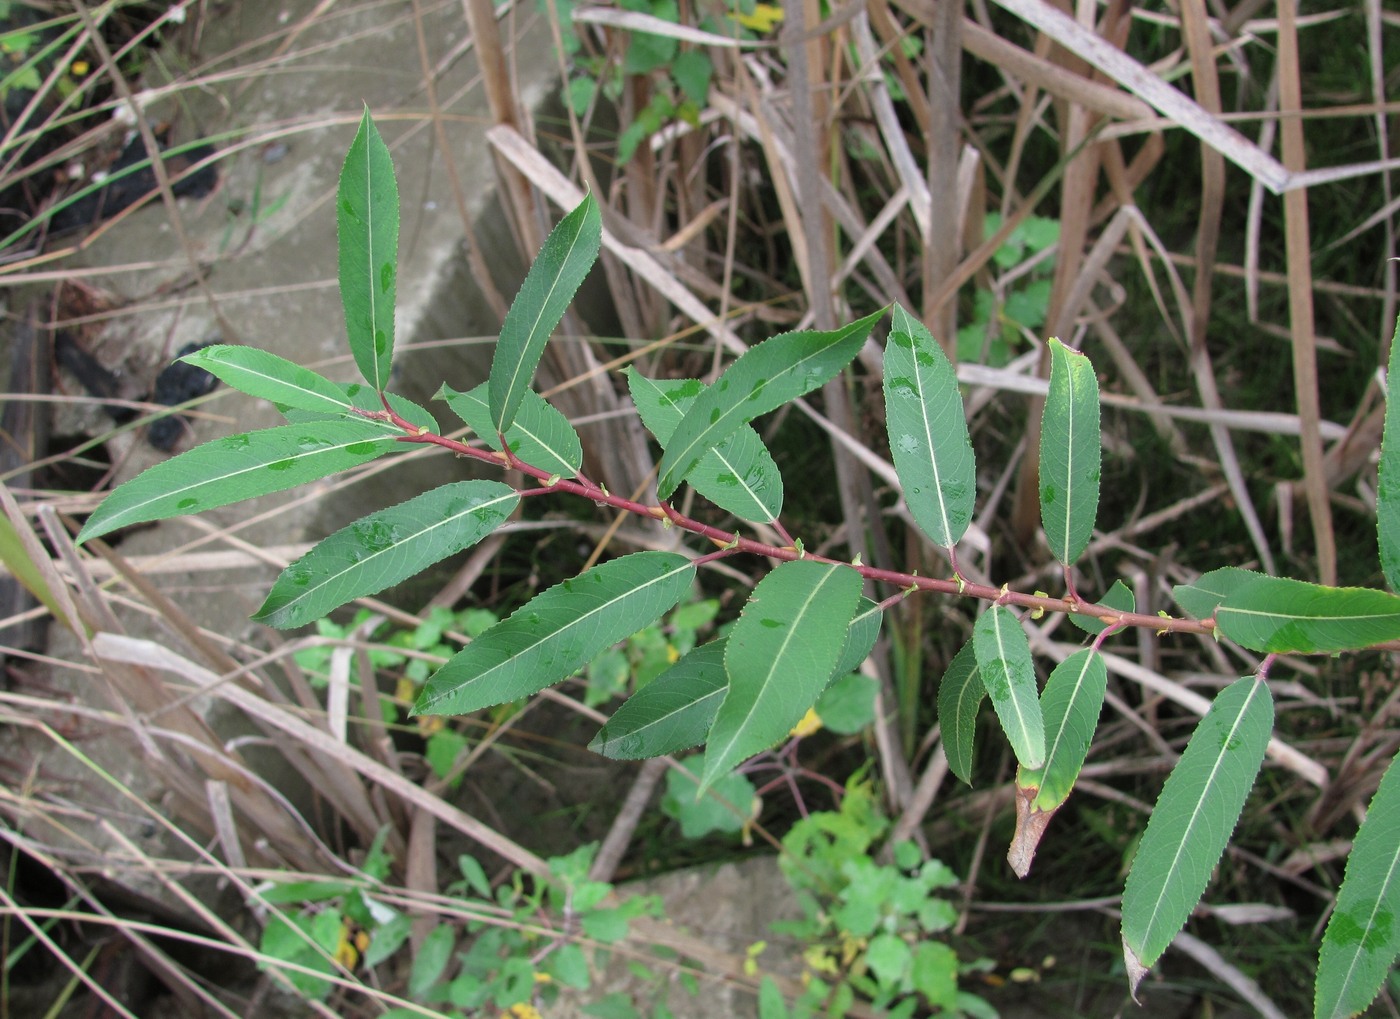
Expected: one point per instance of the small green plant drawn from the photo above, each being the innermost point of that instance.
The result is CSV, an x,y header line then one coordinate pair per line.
x,y
869,928
806,621
511,948
679,79
1001,319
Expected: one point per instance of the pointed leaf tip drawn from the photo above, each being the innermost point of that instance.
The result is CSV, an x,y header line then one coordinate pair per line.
x,y
238,467
558,271
1362,939
738,475
1194,817
770,374
1008,674
1277,615
385,548
1388,488
779,657
1070,454
960,695
557,632
927,429
367,211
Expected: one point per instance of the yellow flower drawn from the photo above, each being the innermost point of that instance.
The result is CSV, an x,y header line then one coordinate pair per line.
x,y
810,723
354,940
762,20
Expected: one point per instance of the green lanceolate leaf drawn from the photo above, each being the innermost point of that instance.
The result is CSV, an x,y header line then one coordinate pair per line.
x,y
1388,488
386,548
1070,453
928,431
1210,589
779,657
1362,938
1004,660
847,705
568,253
367,204
674,711
1273,614
739,475
1071,704
541,435
1118,597
959,698
765,377
860,637
557,632
239,467
671,713
1192,821
272,378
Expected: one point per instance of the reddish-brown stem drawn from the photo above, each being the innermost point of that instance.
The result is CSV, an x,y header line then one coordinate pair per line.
x,y
729,543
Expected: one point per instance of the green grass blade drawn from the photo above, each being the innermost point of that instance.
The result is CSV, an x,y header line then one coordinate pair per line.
x,y
272,378
1008,673
16,558
1201,598
765,377
386,548
959,699
568,253
239,467
557,632
1071,704
367,204
1388,489
779,657
928,431
1362,938
1273,614
671,713
1070,454
1192,821
540,435
739,475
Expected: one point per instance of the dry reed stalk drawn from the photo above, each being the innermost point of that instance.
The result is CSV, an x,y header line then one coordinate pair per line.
x,y
112,647
325,775
505,111
480,272
1298,245
943,143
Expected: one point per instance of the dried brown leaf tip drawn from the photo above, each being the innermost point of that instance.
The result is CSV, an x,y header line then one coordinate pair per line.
x,y
1031,823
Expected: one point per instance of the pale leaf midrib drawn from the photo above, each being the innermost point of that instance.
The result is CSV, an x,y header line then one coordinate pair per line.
x,y
577,621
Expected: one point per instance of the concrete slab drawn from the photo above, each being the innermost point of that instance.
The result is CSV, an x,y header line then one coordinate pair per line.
x,y
285,86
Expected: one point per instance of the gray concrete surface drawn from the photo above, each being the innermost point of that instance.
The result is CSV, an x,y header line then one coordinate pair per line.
x,y
287,84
